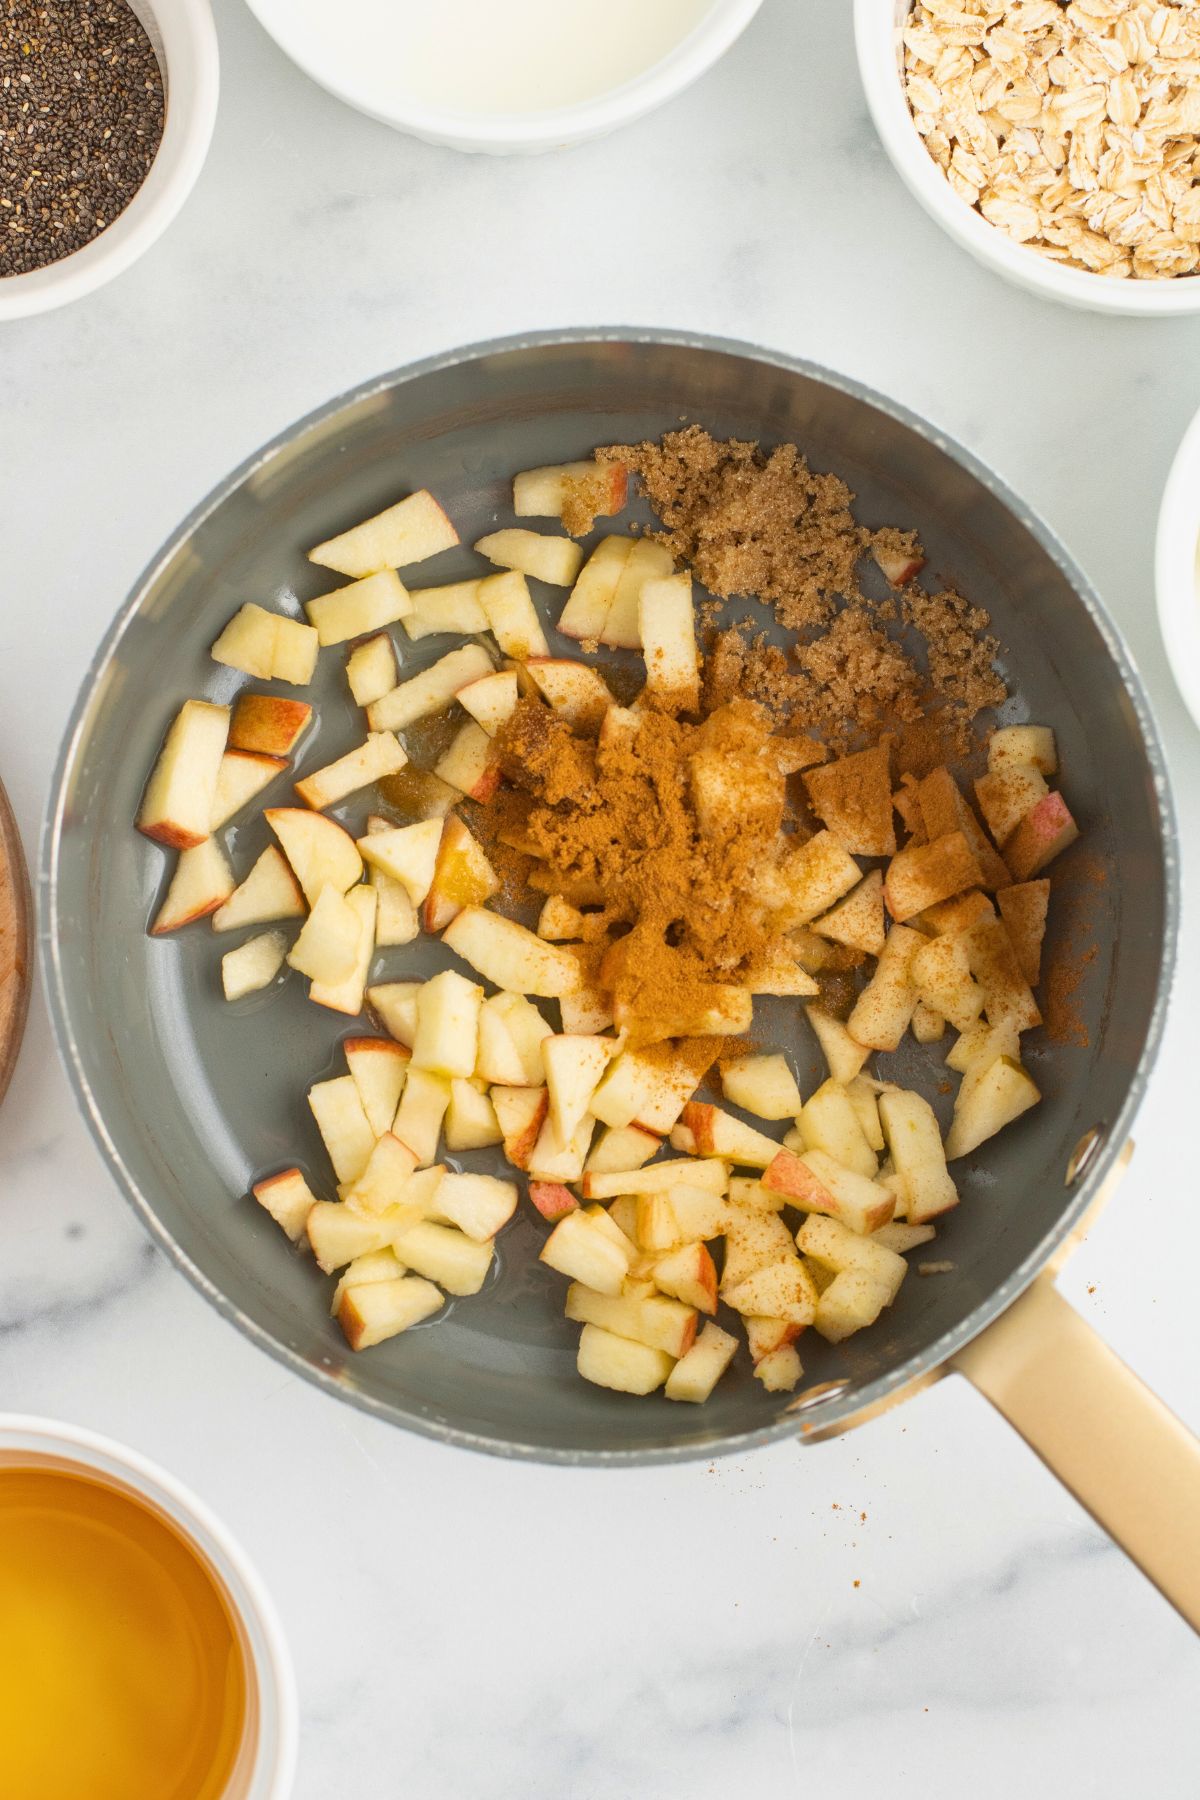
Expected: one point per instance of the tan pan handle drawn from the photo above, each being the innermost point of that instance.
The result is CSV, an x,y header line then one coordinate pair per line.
x,y
1123,1455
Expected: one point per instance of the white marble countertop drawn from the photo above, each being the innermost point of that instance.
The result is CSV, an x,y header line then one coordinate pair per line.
x,y
918,1608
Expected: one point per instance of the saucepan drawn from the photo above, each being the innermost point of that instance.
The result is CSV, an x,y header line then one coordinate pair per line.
x,y
189,1104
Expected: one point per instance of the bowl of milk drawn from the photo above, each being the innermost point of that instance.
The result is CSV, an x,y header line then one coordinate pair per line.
x,y
504,76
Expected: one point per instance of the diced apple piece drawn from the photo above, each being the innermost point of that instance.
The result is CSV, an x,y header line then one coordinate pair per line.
x,y
382,1184
408,853
471,1122
520,1113
667,629
241,776
344,1126
941,974
555,1158
780,1290
379,1067
863,1095
337,1234
780,1371
815,1183
447,1037
371,669
420,1113
559,922
680,1214
369,1313
945,810
901,1238
366,1271
552,1199
857,921
688,1274
253,965
776,971
478,1204
882,1011
718,1133
268,724
327,947
296,652
578,493
470,763
697,1373
843,1054
763,1085
511,1032
491,700
202,882
584,615
1006,795
586,1012
431,691
1007,996
646,561
1042,834
248,642
1023,746
451,607
380,755
364,606
744,1191
289,1200
924,874
1024,909
408,532
622,1147
660,1323
603,1220
849,1303
581,1250
507,954
658,1178
987,1103
579,694
396,919
949,917
765,1336
832,1244
650,1087
462,876
815,876
177,807
345,995
574,1065
753,1240
396,1004
980,1045
853,799
610,1361
512,617
320,852
830,1123
914,1140
898,566
928,1027
455,1261
269,892
555,560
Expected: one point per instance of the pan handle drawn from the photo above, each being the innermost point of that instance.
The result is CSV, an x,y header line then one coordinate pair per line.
x,y
1113,1443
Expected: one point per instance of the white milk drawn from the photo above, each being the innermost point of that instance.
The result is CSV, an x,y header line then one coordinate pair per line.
x,y
491,56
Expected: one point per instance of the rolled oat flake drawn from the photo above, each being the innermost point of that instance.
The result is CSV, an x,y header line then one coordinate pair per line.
x,y
81,118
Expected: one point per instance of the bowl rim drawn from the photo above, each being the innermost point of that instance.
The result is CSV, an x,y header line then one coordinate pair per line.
x,y
843,1405
880,74
706,42
1176,570
38,1434
187,51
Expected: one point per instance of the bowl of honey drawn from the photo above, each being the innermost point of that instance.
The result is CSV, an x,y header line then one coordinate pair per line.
x,y
140,1654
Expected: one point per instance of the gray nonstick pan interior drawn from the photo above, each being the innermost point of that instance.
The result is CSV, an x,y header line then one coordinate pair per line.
x,y
190,1098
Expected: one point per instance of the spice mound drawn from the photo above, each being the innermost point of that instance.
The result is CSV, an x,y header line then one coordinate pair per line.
x,y
1075,129
82,108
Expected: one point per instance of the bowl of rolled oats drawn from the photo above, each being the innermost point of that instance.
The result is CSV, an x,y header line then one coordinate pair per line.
x,y
1058,143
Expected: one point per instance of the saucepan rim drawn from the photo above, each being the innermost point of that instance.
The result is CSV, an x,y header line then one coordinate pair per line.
x,y
838,1406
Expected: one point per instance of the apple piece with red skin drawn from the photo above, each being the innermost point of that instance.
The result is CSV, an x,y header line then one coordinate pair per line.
x,y
651,1087
521,1113
491,700
289,1200
320,852
697,1373
689,1274
379,1067
764,1336
268,723
718,1133
1044,832
371,1312
470,764
579,493
242,775
815,1183
412,530
898,567
177,806
431,691
379,755
584,615
202,882
552,1199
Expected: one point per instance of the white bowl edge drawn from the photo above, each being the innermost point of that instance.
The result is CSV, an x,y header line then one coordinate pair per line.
x,y
1177,587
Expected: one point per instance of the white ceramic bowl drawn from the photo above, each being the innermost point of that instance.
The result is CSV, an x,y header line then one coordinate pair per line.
x,y
185,41
1177,568
502,134
266,1765
877,26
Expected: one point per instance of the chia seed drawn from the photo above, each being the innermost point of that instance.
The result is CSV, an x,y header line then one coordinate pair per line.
x,y
82,107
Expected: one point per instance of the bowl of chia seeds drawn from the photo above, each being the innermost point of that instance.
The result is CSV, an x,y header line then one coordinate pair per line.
x,y
106,113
